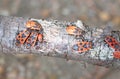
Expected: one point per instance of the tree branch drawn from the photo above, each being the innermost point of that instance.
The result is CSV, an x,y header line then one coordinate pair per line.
x,y
58,43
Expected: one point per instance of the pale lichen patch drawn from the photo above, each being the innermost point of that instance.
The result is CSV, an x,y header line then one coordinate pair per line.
x,y
80,25
102,53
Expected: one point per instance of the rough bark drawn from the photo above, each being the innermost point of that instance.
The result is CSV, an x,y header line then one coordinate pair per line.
x,y
57,43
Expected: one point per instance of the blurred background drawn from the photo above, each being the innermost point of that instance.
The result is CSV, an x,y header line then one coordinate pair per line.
x,y
92,12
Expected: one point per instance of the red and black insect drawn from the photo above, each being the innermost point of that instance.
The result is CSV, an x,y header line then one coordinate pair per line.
x,y
22,36
73,30
33,39
113,43
82,46
34,25
31,35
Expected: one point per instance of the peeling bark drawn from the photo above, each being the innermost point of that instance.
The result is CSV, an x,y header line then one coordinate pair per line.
x,y
57,43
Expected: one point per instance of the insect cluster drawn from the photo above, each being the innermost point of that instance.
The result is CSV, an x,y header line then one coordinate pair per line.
x,y
81,46
31,35
113,43
34,34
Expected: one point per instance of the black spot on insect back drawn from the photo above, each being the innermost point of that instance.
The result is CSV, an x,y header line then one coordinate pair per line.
x,y
81,49
80,43
29,39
